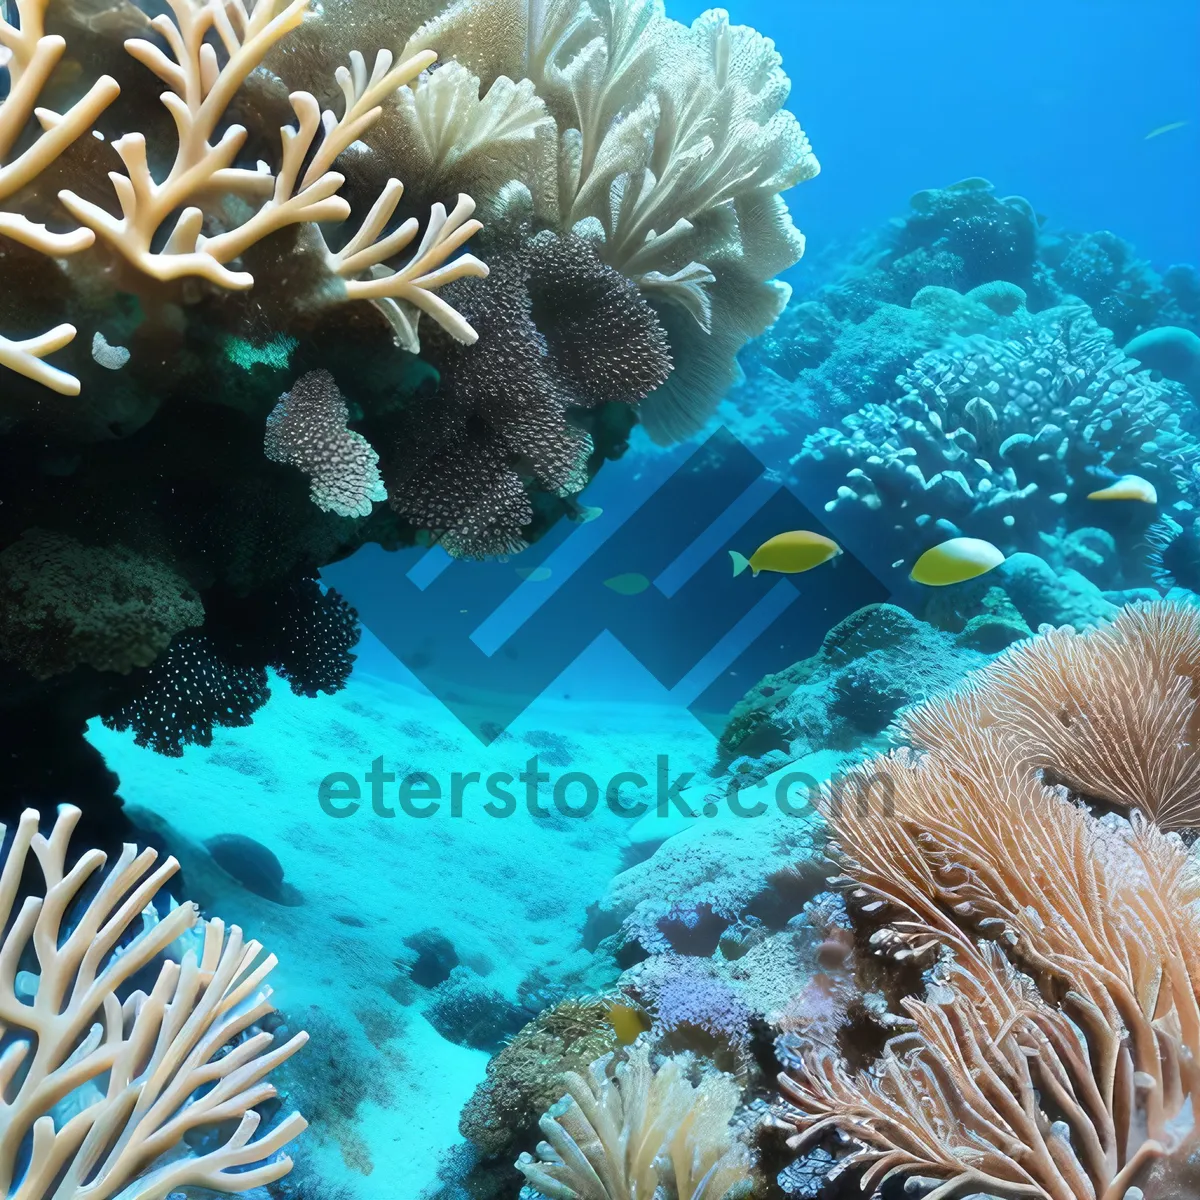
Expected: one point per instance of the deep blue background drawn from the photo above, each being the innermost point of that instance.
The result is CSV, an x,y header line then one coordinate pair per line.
x,y
1049,99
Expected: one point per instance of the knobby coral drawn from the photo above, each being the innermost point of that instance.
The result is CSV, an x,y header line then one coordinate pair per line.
x,y
1073,1081
106,1091
1001,438
624,1129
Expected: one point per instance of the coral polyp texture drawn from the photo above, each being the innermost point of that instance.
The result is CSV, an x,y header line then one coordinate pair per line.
x,y
1055,1051
278,280
110,1090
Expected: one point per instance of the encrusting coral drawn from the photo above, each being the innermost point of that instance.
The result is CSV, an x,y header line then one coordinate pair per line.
x,y
1058,1057
106,1089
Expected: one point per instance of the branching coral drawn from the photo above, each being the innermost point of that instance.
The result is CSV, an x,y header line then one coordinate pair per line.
x,y
624,1128
1073,1089
104,1091
30,55
203,183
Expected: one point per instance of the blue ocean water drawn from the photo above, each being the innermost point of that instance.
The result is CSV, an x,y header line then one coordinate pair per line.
x,y
524,809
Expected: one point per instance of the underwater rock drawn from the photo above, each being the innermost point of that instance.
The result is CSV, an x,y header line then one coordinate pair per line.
x,y
436,957
464,1010
1173,352
254,866
876,661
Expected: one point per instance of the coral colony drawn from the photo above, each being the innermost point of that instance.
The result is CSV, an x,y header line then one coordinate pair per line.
x,y
279,280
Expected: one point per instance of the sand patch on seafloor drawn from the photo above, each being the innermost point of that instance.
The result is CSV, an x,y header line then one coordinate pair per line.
x,y
511,894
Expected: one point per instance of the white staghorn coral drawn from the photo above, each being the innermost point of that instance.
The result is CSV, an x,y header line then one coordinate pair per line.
x,y
203,184
101,1093
30,56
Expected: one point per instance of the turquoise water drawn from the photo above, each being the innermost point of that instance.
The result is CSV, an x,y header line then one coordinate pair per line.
x,y
438,631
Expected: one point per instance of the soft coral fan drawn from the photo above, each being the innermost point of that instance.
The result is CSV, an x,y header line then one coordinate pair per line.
x,y
670,146
1076,1083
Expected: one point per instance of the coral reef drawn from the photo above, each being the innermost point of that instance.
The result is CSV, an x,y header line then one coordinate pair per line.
x,y
1053,1053
870,666
230,331
527,1076
110,1089
1002,439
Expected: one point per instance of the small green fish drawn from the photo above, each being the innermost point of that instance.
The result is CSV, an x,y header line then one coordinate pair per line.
x,y
630,584
589,513
534,574
1174,125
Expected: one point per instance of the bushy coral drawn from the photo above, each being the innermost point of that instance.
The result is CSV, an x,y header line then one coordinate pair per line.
x,y
622,1129
1002,439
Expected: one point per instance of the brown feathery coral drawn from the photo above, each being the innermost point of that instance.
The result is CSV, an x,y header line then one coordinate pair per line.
x,y
965,838
1111,712
625,1128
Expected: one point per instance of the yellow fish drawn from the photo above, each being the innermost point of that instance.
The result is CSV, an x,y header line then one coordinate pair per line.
x,y
788,553
534,574
955,561
630,584
1174,125
1128,487
627,1021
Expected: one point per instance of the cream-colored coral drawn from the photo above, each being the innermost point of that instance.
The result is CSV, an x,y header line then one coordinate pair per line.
x,y
99,1095
30,56
625,1128
203,184
672,148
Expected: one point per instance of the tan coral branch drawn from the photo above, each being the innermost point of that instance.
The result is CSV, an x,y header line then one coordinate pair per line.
x,y
417,281
25,357
142,1073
